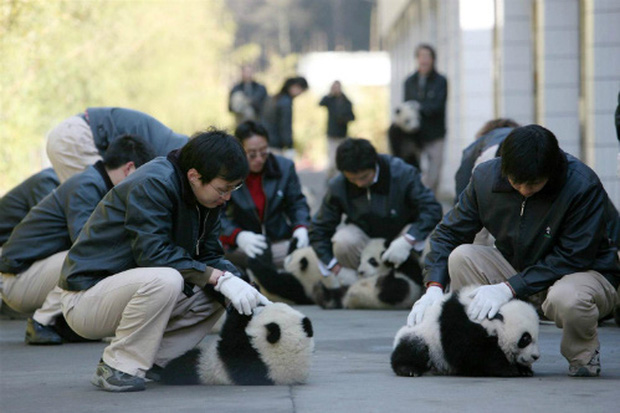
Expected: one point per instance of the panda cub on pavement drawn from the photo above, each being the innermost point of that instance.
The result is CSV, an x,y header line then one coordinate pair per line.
x,y
448,342
380,286
272,346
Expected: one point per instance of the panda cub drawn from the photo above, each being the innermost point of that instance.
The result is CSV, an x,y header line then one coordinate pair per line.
x,y
272,346
448,342
380,286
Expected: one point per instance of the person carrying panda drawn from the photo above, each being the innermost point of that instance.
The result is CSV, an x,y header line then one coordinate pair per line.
x,y
270,209
147,265
382,197
546,210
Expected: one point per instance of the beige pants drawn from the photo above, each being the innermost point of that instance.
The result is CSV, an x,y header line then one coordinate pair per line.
x,y
347,244
71,147
575,302
431,161
146,312
32,289
332,147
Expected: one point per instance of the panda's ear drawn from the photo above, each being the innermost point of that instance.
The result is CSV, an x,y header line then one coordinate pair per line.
x,y
273,332
303,264
386,244
307,325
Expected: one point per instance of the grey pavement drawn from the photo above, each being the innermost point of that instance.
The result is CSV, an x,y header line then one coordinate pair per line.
x,y
350,373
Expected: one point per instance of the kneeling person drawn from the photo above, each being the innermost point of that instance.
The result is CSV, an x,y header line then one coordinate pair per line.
x,y
139,269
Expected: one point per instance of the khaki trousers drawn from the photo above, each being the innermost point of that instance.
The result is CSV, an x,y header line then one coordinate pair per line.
x,y
575,302
431,161
332,147
32,289
146,312
71,147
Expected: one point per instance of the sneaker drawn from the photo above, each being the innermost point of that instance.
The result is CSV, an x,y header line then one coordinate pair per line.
x,y
37,333
592,369
110,379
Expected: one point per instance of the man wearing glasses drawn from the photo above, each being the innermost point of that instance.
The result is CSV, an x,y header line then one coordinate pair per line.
x,y
148,262
382,197
270,209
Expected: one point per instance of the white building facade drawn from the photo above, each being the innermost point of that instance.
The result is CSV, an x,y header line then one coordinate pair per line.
x,y
551,62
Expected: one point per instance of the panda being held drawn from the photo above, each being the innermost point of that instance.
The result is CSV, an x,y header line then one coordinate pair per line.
x,y
546,210
382,197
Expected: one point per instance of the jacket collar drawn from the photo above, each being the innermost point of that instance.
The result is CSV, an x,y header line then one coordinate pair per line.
x,y
382,186
271,168
555,184
100,167
186,191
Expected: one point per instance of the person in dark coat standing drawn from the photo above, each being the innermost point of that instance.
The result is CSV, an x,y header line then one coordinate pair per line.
x,y
339,114
270,209
278,116
430,89
246,98
547,212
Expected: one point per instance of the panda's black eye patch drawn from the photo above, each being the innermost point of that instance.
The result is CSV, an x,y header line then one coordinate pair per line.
x,y
526,340
307,325
373,262
303,264
273,332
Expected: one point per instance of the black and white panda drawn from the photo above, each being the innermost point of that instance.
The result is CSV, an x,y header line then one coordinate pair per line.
x,y
272,346
403,132
381,286
448,342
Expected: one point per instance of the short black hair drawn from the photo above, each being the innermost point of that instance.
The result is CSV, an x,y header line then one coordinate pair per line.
x,y
214,153
356,154
128,148
427,47
249,128
298,80
530,153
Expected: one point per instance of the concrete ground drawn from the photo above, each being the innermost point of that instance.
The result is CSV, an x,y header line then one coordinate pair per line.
x,y
350,373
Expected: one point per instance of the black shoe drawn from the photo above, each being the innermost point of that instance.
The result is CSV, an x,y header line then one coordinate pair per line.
x,y
154,373
110,379
37,333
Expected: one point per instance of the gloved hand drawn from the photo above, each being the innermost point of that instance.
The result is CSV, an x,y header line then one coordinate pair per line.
x,y
252,244
242,295
301,234
398,251
487,300
432,295
347,276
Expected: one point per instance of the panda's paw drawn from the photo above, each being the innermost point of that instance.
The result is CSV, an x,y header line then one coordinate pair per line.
x,y
525,371
328,298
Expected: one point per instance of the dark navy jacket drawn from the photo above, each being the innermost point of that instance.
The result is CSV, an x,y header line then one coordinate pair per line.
x,y
285,207
432,99
339,114
397,199
257,95
151,219
278,119
557,231
109,123
55,222
16,203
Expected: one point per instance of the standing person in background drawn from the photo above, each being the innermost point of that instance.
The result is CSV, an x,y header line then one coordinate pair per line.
x,y
246,97
16,203
430,90
81,140
278,116
339,114
270,209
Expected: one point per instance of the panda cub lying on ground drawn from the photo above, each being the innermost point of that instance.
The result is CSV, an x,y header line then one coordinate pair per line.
x,y
272,346
448,342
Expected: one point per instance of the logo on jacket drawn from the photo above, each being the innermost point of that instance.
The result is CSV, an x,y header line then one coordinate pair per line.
x,y
547,232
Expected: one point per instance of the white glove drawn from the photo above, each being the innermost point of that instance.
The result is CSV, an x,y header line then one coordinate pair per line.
x,y
347,276
242,295
252,244
301,234
398,251
487,300
433,294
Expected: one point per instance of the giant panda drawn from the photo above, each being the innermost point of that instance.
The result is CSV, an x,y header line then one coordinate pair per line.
x,y
272,346
403,132
448,342
381,286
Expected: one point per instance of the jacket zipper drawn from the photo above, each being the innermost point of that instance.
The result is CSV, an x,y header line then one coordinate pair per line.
x,y
204,229
517,259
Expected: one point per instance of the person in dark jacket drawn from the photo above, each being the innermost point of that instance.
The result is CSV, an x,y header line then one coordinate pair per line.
x,y
546,210
16,203
246,98
82,140
31,259
270,208
339,114
382,197
278,116
147,265
430,89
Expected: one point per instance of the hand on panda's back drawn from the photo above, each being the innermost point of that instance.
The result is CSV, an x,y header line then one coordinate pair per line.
x,y
432,295
252,244
398,251
487,300
242,295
